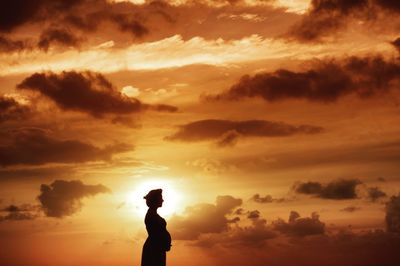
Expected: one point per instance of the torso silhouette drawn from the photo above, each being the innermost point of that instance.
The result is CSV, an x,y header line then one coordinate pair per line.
x,y
157,242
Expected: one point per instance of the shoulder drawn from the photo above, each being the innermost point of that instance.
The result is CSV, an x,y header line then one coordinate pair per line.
x,y
152,217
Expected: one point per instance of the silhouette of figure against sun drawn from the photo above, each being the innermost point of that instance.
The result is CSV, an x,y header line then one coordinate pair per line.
x,y
158,241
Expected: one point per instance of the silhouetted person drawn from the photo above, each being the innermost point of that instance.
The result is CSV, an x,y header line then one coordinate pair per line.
x,y
159,240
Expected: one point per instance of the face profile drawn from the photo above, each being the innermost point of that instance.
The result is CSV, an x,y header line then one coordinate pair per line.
x,y
158,241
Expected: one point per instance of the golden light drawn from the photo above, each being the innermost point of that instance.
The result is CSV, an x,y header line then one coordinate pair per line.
x,y
172,197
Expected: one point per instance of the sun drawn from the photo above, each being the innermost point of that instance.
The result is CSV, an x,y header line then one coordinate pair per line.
x,y
172,197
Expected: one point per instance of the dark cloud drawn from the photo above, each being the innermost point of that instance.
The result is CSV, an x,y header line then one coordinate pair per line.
x,y
126,16
36,147
375,193
267,199
326,82
86,92
83,14
297,226
19,12
19,213
213,129
315,28
8,46
343,6
128,24
253,214
62,37
350,209
63,198
10,109
393,214
326,17
204,218
309,188
338,190
396,44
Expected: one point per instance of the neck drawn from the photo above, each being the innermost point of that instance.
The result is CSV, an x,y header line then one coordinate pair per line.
x,y
153,209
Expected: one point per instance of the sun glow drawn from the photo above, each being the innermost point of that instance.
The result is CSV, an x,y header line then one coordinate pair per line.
x,y
172,197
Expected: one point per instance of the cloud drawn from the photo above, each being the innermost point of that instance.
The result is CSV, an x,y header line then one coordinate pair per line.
x,y
327,17
337,190
19,12
10,109
204,218
266,199
254,235
36,147
253,214
86,92
301,232
127,17
297,226
83,14
375,193
350,209
326,81
59,36
213,129
209,225
19,213
393,214
309,188
129,24
396,44
63,198
259,199
149,21
8,46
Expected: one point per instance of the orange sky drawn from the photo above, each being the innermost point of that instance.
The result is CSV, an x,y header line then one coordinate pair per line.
x,y
271,125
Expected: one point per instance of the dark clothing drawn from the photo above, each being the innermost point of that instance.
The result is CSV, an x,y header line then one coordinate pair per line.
x,y
158,242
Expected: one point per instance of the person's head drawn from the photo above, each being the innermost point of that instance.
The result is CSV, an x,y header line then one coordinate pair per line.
x,y
154,198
